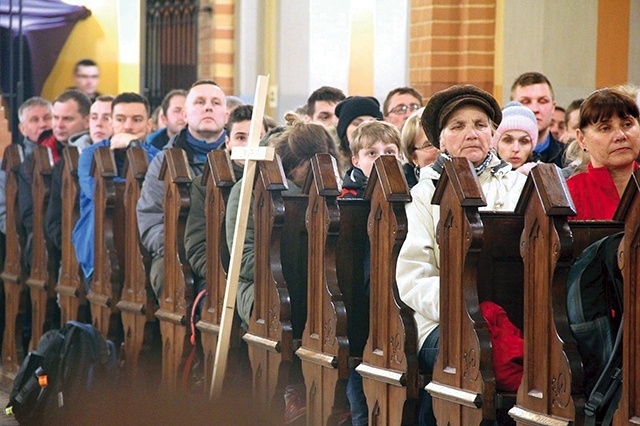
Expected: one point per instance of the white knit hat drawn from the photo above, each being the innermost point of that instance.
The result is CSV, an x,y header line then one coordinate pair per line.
x,y
516,116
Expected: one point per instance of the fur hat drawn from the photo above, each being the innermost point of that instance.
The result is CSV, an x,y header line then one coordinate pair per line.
x,y
353,107
516,116
445,102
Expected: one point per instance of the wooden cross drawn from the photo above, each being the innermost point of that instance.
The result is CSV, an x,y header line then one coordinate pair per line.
x,y
250,154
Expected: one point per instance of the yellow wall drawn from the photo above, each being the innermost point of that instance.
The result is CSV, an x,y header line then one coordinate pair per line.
x,y
96,38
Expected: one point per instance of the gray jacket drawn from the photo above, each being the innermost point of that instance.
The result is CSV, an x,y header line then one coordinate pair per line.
x,y
149,208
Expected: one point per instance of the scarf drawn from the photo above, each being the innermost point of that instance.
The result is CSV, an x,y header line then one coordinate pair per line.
x,y
202,148
438,166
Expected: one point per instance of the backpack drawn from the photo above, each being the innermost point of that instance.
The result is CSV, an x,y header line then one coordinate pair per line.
x,y
61,375
594,308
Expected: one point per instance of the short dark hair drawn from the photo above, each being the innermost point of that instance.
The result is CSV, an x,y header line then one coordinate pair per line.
x,y
400,91
84,63
575,105
559,108
104,98
242,113
131,98
167,98
529,79
602,104
83,101
326,94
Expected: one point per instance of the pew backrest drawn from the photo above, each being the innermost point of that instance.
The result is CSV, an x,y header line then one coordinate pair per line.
x,y
108,273
70,283
389,363
629,261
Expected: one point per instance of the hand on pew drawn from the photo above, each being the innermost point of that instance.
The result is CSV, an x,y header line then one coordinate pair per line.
x,y
123,140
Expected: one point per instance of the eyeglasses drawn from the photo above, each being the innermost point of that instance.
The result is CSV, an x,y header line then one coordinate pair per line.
x,y
92,77
403,109
425,145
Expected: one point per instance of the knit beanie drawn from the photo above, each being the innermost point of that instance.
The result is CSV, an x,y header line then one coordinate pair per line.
x,y
516,116
353,107
445,102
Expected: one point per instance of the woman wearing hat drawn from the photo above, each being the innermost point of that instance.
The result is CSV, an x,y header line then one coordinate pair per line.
x,y
458,121
516,136
610,133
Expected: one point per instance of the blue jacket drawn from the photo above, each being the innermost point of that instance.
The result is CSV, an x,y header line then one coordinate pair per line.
x,y
83,232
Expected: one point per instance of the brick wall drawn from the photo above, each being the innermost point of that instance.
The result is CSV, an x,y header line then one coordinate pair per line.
x,y
216,42
451,42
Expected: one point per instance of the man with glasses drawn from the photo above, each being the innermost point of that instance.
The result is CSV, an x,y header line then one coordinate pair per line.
x,y
399,105
86,76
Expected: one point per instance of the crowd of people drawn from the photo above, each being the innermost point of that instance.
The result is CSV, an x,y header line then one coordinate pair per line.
x,y
595,141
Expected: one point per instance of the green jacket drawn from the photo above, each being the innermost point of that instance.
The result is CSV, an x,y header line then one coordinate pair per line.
x,y
244,300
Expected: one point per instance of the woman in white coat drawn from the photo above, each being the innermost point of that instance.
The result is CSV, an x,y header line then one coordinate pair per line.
x,y
459,121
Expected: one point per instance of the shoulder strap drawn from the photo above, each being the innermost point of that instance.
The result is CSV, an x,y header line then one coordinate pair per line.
x,y
607,387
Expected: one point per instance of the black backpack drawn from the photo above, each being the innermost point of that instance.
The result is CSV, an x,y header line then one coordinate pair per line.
x,y
62,375
594,308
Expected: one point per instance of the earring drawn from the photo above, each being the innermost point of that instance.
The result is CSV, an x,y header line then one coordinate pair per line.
x,y
584,149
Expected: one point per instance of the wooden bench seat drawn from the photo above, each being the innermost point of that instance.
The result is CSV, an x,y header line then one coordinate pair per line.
x,y
389,365
45,313
280,285
71,290
109,238
551,391
480,260
337,317
628,412
177,297
16,297
219,179
137,304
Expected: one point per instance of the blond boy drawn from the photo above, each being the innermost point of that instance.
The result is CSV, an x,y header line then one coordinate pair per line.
x,y
369,141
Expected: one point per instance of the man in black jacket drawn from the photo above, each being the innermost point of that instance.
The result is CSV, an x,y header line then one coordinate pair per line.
x,y
534,91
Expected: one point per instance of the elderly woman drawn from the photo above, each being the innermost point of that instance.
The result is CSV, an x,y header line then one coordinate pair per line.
x,y
516,136
458,121
417,150
609,132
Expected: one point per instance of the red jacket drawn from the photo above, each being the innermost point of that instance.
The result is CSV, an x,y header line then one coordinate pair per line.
x,y
594,194
507,347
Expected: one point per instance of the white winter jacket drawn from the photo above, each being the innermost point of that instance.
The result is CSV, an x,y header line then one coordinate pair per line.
x,y
418,269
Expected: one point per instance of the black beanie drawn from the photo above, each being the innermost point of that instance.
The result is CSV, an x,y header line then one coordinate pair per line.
x,y
353,107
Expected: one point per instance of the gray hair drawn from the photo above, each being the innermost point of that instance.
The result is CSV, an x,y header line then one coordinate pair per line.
x,y
30,103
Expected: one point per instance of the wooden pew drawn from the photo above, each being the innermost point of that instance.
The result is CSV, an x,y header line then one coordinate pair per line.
x,y
108,273
480,260
629,261
177,298
551,391
13,275
219,179
279,310
45,312
71,289
390,361
325,345
136,305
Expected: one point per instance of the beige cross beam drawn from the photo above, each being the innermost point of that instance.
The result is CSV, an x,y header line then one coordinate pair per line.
x,y
250,154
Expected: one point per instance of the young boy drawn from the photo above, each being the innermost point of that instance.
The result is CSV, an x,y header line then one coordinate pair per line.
x,y
369,141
